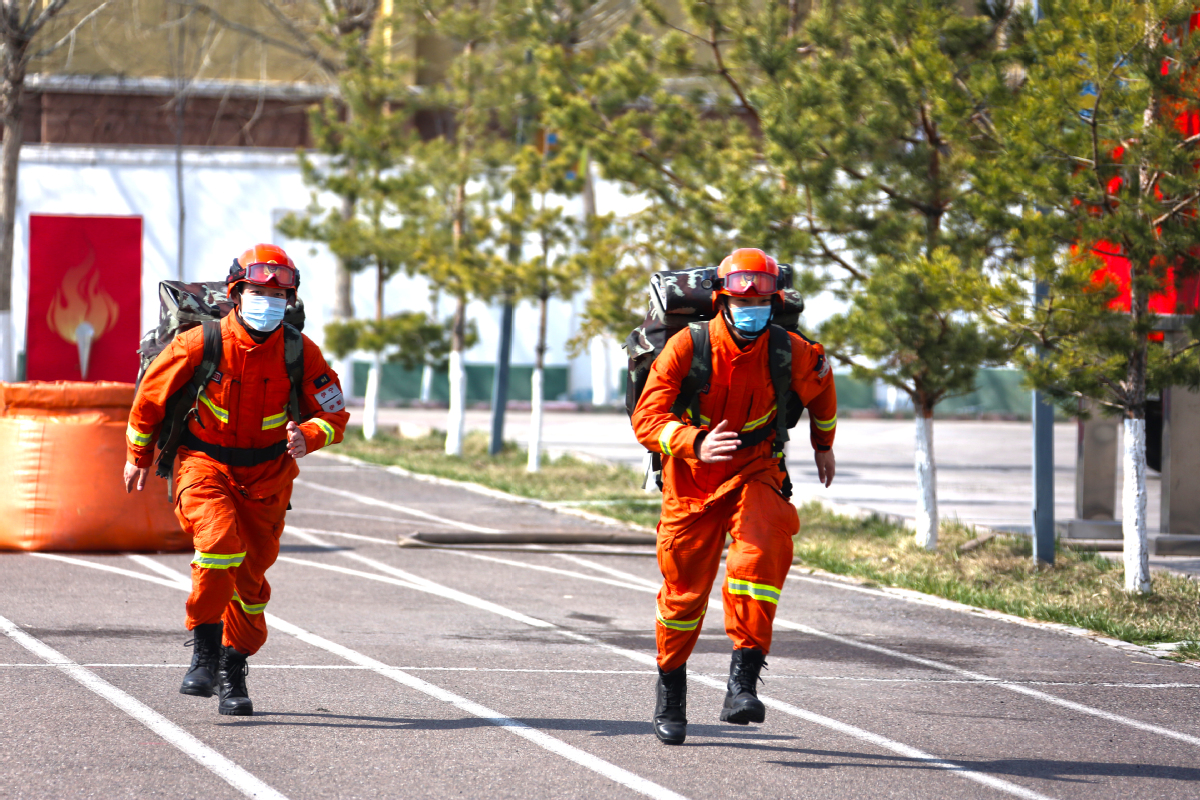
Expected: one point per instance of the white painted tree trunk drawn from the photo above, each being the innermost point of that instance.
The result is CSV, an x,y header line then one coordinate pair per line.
x,y
456,421
371,406
535,422
7,368
426,383
1133,507
601,394
927,513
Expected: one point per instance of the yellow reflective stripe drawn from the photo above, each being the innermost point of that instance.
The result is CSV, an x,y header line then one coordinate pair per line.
x,y
758,423
758,591
138,439
250,608
218,560
680,624
275,421
327,428
221,414
664,437
825,424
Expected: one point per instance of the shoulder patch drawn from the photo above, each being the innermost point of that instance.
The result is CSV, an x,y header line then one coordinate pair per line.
x,y
821,367
321,381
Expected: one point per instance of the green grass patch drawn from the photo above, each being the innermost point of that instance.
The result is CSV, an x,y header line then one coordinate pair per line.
x,y
1083,588
611,490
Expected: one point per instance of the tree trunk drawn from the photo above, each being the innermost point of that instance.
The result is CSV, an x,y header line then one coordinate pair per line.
x,y
427,370
927,513
374,376
601,395
456,420
12,113
537,392
1133,507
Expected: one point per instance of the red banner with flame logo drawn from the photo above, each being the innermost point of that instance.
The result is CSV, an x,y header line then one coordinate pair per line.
x,y
85,298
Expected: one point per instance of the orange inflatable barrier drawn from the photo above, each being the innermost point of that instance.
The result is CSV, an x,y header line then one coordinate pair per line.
x,y
63,446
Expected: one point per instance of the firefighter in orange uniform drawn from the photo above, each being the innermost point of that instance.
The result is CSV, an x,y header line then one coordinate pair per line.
x,y
237,462
713,486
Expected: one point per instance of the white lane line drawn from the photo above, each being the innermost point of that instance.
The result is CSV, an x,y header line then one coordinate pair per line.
x,y
1012,686
356,536
616,573
170,584
356,667
187,744
162,569
558,747
565,572
371,501
649,660
374,517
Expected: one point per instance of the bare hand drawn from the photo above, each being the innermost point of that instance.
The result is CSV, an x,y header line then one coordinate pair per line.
x,y
296,446
719,444
135,476
825,466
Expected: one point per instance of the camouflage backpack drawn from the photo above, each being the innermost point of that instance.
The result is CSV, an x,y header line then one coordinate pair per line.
x,y
684,299
183,306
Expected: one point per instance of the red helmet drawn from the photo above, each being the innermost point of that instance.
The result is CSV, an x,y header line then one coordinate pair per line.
x,y
264,265
749,272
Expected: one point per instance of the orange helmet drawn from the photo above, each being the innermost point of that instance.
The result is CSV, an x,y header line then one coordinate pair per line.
x,y
749,272
264,265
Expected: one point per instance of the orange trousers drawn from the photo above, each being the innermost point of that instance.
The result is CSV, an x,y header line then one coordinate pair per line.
x,y
762,525
236,540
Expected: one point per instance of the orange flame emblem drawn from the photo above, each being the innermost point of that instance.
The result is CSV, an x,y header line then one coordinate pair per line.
x,y
81,300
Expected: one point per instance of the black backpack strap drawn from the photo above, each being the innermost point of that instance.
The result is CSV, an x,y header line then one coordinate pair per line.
x,y
293,356
698,376
780,359
181,407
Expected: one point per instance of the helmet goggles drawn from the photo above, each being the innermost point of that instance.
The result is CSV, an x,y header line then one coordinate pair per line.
x,y
750,283
284,276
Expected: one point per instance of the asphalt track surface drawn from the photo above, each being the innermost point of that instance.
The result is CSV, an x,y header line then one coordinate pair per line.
x,y
399,672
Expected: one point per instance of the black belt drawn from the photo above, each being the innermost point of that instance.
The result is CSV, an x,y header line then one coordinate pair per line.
x,y
234,456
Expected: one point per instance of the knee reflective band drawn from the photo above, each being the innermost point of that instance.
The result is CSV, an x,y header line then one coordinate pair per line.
x,y
275,421
680,624
758,591
250,608
218,560
327,428
221,414
664,436
138,439
825,424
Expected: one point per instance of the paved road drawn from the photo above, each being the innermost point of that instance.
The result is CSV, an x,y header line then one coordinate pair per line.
x,y
394,672
984,468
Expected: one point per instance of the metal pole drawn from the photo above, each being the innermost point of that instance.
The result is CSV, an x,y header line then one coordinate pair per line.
x,y
1043,468
500,384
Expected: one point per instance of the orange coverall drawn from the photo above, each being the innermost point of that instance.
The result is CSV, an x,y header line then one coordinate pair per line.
x,y
702,502
235,514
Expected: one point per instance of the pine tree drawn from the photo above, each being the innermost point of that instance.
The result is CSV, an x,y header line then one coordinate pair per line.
x,y
1106,140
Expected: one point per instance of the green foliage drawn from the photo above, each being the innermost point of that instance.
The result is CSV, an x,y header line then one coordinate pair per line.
x,y
1106,168
412,337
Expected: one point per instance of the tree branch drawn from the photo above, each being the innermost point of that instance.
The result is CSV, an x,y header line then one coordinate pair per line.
x,y
45,51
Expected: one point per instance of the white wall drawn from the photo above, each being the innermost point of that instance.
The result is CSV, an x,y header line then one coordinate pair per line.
x,y
233,197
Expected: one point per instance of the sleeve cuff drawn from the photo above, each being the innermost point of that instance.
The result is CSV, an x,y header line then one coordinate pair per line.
x,y
143,459
317,434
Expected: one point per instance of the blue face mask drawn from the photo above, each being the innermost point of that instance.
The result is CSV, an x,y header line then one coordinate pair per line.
x,y
263,313
750,319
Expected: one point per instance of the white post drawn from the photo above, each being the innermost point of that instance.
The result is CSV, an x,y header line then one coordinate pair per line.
x,y
371,406
927,513
601,396
535,426
1133,507
458,405
7,370
426,383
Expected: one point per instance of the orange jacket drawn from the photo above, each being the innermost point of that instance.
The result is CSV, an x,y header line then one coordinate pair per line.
x,y
740,391
244,405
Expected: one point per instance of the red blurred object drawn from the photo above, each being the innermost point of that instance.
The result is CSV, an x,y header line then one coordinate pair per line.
x,y
1176,297
85,298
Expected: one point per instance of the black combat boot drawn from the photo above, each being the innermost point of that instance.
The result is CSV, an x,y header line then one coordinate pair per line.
x,y
201,676
231,684
670,707
742,705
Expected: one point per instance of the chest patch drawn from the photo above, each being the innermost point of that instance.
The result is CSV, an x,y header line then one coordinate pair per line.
x,y
216,378
330,398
